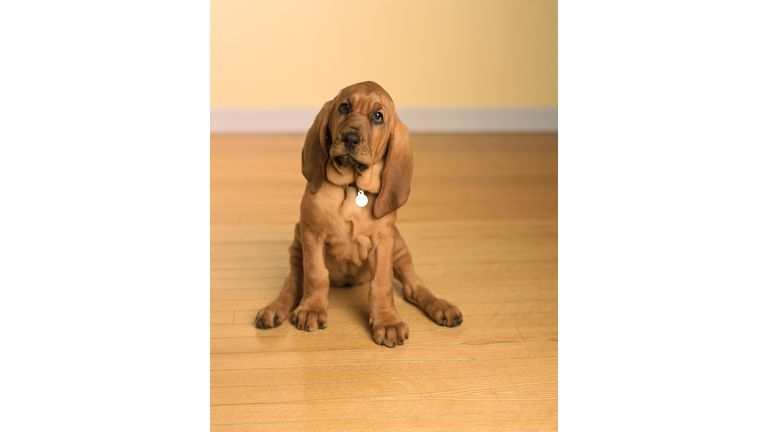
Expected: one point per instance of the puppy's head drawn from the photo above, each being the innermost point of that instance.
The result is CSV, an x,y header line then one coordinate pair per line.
x,y
358,138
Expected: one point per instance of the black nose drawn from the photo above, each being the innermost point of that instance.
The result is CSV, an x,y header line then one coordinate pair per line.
x,y
351,139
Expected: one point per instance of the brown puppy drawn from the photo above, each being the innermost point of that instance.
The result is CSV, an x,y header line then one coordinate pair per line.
x,y
356,149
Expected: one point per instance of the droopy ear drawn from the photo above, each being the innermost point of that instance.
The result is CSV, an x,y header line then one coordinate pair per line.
x,y
398,171
314,155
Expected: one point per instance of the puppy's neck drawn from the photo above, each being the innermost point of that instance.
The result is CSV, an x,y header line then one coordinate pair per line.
x,y
369,180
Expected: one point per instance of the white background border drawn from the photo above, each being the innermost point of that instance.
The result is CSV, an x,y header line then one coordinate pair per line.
x,y
105,215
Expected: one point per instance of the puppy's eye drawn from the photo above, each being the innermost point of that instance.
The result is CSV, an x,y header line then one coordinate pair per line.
x,y
344,108
378,117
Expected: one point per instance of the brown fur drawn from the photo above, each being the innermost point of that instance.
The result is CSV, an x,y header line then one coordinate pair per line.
x,y
336,242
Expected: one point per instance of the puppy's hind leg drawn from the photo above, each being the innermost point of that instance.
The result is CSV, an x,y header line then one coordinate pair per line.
x,y
442,311
276,312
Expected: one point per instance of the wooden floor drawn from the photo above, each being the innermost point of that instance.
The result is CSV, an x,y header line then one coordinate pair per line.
x,y
481,223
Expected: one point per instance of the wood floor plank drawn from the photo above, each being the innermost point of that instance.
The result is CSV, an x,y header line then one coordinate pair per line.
x,y
544,332
270,283
405,388
333,410
380,355
383,372
226,317
249,330
516,421
321,340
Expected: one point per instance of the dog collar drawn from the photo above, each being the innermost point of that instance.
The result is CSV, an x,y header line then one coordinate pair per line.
x,y
361,200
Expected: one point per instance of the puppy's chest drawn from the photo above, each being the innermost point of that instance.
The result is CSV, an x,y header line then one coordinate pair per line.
x,y
350,247
350,230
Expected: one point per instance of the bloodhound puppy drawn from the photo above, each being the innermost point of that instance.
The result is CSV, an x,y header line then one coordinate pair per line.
x,y
358,164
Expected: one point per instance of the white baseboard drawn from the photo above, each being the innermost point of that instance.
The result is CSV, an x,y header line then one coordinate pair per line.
x,y
418,120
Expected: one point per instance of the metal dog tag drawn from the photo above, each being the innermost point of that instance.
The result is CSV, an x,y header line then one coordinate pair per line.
x,y
361,200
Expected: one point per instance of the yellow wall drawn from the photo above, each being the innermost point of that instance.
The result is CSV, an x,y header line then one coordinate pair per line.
x,y
425,53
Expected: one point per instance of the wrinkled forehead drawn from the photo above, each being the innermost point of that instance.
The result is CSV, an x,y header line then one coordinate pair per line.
x,y
365,95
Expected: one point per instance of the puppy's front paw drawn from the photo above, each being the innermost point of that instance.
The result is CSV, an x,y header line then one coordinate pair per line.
x,y
272,315
445,313
310,318
389,331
